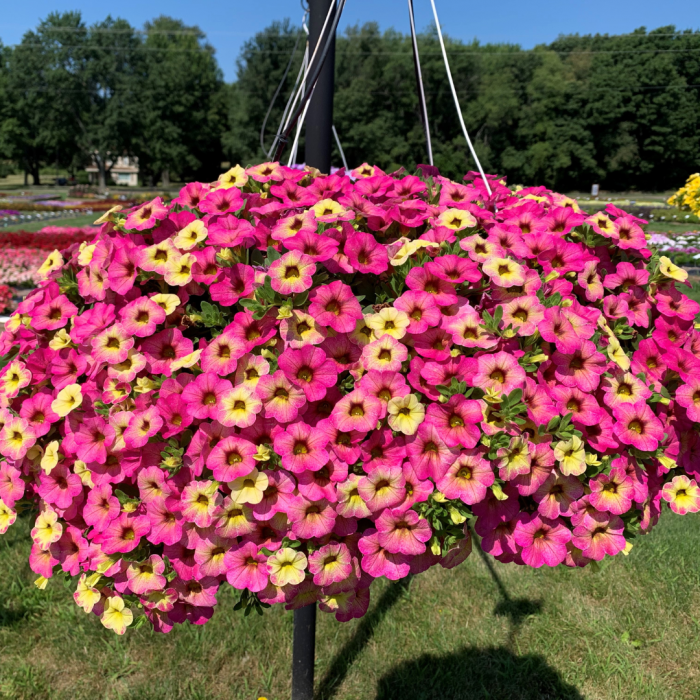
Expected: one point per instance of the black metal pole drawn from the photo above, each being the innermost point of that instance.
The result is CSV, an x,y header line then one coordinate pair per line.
x,y
319,120
303,652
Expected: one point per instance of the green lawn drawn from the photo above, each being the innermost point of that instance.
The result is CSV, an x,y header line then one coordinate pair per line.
x,y
83,220
629,631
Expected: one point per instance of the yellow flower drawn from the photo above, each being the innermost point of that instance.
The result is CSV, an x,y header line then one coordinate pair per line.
x,y
195,232
50,458
408,249
86,594
178,271
61,340
53,262
389,321
7,517
15,378
144,385
186,361
329,209
86,253
263,454
617,354
456,219
107,216
250,488
362,334
668,269
235,177
80,468
68,399
287,566
167,302
406,413
571,456
41,583
47,529
115,616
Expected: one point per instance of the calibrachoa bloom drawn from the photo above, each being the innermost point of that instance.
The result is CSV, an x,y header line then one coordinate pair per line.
x,y
293,384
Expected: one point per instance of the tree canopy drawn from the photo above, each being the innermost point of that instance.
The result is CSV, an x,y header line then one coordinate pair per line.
x,y
623,111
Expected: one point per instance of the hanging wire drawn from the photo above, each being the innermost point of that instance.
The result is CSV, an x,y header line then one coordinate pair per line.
x,y
419,80
295,146
277,92
302,88
456,99
340,148
283,138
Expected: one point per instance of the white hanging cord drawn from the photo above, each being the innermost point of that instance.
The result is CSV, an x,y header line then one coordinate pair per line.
x,y
456,99
340,148
419,78
295,146
289,106
300,92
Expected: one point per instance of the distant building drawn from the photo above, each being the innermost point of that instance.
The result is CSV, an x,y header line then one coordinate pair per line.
x,y
124,172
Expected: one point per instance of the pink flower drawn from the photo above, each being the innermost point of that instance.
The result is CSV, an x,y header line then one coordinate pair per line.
x,y
166,521
236,283
247,568
210,554
147,215
310,370
543,540
60,486
600,534
318,248
310,518
203,396
231,458
556,495
688,396
141,316
637,425
37,411
467,478
420,279
383,488
292,273
146,577
456,421
582,368
384,386
124,534
422,311
384,355
335,305
556,328
377,561
429,455
164,348
142,427
302,448
612,493
365,254
402,532
357,410
583,407
525,315
222,201
330,564
281,399
53,314
11,484
499,372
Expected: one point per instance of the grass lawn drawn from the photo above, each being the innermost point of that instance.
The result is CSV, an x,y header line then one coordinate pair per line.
x,y
83,220
629,631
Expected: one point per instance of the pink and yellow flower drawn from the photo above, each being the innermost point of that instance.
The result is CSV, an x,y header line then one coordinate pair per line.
x,y
292,273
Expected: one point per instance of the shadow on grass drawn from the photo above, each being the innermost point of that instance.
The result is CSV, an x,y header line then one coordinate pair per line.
x,y
473,673
344,659
517,610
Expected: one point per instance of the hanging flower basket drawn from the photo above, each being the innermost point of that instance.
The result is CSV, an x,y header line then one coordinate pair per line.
x,y
294,384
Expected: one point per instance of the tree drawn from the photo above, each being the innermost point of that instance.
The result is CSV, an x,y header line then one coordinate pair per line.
x,y
182,107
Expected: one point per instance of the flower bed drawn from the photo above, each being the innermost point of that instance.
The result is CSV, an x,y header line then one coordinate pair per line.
x,y
682,249
297,384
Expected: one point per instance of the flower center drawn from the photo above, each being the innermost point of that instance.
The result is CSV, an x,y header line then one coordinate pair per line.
x,y
637,427
498,376
292,273
357,411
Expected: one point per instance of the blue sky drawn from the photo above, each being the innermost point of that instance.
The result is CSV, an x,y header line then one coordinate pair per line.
x,y
229,23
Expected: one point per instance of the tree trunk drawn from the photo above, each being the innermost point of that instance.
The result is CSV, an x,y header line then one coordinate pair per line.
x,y
101,173
165,177
26,177
35,175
